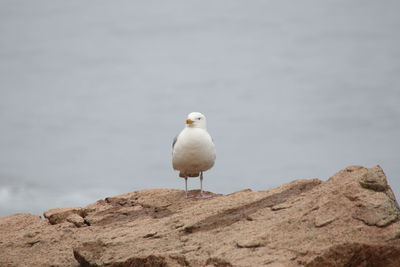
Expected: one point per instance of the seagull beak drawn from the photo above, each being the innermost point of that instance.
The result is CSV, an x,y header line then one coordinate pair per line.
x,y
189,121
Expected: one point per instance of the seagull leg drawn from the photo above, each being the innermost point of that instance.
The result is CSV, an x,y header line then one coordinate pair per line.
x,y
201,188
186,194
201,184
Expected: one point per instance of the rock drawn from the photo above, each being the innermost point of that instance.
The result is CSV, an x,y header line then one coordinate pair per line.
x,y
215,262
92,254
355,254
322,220
76,220
373,179
151,235
380,215
280,206
352,219
249,244
60,215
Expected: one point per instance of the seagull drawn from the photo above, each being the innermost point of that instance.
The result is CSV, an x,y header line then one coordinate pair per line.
x,y
193,150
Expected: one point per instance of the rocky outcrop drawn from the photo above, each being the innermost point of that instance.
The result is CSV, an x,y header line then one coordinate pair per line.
x,y
352,219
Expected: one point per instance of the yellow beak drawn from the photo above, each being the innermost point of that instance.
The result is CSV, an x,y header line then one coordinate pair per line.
x,y
189,121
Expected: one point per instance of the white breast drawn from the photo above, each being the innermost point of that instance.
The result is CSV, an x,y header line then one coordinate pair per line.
x,y
193,151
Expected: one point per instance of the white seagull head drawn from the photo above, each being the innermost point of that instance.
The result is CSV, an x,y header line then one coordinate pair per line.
x,y
196,120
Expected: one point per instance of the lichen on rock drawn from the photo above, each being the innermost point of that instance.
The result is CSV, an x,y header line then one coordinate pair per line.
x,y
373,179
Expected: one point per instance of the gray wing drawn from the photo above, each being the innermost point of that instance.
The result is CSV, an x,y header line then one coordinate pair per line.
x,y
175,139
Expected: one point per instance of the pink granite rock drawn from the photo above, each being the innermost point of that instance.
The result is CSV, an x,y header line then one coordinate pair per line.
x,y
352,219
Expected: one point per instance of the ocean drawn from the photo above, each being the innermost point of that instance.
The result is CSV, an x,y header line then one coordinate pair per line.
x,y
92,94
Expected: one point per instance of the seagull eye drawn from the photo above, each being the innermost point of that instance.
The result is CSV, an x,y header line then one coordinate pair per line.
x,y
198,118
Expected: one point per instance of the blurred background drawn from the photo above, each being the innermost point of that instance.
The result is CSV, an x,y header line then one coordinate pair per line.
x,y
93,92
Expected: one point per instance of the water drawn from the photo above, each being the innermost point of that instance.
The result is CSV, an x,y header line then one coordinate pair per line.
x,y
92,94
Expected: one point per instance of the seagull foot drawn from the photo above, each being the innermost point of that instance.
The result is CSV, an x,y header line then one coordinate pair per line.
x,y
202,196
187,196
